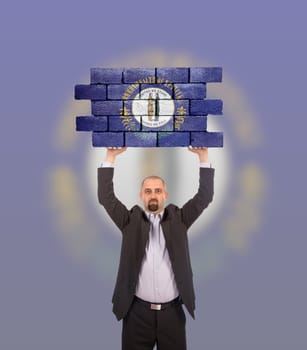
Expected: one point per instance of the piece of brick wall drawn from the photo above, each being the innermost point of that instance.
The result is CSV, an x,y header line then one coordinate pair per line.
x,y
150,107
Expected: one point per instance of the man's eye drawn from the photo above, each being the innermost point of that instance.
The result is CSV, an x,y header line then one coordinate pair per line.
x,y
158,190
147,191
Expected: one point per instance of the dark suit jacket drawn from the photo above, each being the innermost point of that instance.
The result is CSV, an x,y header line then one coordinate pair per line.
x,y
134,226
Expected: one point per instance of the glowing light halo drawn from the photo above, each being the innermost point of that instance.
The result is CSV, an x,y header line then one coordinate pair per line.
x,y
208,256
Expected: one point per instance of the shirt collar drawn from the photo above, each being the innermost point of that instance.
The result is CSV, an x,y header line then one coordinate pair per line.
x,y
160,215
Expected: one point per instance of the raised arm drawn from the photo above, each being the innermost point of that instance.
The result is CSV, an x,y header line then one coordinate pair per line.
x,y
194,207
112,153
202,152
114,207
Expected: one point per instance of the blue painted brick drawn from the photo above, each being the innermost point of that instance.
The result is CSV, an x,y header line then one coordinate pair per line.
x,y
207,139
123,91
107,107
169,88
141,139
90,92
205,107
173,139
120,124
206,75
106,75
173,75
190,123
132,75
169,126
182,105
190,91
91,123
108,139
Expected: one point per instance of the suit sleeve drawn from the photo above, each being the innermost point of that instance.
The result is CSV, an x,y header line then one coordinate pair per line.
x,y
106,197
194,207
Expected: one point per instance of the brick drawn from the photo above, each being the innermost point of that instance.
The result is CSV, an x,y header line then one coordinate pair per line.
x,y
108,139
91,123
207,139
173,139
106,75
141,139
122,124
90,92
190,123
131,75
107,107
190,91
206,75
182,106
169,88
122,91
205,107
169,126
173,75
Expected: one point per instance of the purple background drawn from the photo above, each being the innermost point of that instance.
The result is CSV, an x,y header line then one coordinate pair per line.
x,y
47,301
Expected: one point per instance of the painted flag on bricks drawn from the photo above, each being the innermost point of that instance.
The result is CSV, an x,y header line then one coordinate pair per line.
x,y
150,107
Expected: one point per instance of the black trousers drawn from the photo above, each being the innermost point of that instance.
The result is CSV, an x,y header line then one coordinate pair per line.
x,y
143,327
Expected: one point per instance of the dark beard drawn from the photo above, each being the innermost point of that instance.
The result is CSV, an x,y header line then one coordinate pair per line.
x,y
153,206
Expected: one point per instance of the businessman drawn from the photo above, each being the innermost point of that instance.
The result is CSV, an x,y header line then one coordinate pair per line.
x,y
155,276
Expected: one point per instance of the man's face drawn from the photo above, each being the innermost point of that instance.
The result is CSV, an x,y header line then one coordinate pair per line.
x,y
153,195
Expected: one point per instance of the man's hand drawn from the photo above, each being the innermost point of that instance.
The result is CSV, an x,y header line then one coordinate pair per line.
x,y
202,152
112,153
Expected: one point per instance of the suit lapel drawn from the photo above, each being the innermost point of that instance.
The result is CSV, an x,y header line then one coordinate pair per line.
x,y
166,227
144,234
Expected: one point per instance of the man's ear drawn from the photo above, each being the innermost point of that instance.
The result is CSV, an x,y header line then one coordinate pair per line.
x,y
166,194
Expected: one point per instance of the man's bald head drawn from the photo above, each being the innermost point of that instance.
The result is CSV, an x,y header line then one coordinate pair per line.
x,y
153,177
153,194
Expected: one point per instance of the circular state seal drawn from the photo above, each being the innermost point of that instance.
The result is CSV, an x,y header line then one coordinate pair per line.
x,y
153,107
150,106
